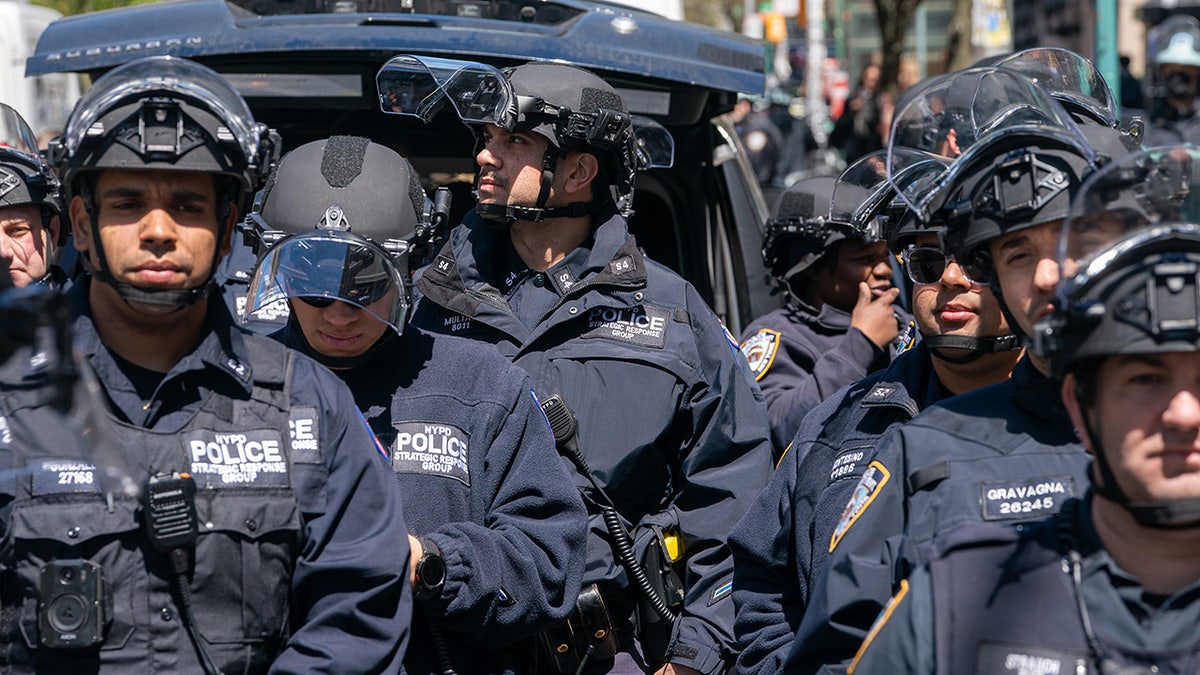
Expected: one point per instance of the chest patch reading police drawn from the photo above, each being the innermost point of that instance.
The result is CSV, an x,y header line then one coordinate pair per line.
x,y
238,458
759,350
62,476
868,488
645,325
1025,500
432,449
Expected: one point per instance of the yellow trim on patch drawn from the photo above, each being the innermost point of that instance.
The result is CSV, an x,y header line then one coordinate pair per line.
x,y
758,375
840,531
785,452
879,623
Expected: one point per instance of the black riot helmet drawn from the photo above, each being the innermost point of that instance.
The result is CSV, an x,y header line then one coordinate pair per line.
x,y
574,109
799,231
164,114
1130,255
338,221
26,178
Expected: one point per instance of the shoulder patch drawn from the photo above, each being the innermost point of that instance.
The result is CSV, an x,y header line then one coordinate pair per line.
x,y
760,349
868,488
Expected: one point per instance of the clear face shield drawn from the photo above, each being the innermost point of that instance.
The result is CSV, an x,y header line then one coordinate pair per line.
x,y
864,192
966,116
320,267
1069,77
1173,52
420,86
16,137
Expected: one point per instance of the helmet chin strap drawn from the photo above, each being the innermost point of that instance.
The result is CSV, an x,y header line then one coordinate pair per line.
x,y
976,346
1174,514
163,297
506,214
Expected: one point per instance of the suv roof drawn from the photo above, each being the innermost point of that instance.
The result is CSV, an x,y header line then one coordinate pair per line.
x,y
307,68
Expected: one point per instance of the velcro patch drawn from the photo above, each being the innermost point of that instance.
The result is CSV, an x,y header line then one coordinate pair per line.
x,y
869,486
444,265
760,349
1025,499
253,458
432,449
63,476
304,433
720,593
1006,658
5,432
644,325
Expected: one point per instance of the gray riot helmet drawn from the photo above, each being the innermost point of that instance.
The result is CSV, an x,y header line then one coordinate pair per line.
x,y
1130,255
572,108
1173,50
338,221
163,114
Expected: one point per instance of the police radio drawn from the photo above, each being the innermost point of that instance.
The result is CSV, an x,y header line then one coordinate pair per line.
x,y
73,610
169,512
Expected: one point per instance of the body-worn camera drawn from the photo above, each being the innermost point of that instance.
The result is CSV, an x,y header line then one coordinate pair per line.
x,y
73,610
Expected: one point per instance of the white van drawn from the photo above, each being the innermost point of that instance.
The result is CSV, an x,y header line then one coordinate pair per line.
x,y
44,101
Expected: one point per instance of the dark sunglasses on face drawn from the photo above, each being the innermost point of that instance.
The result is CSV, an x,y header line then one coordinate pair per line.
x,y
316,301
926,264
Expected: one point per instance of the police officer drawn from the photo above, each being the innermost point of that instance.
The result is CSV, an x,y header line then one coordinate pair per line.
x,y
1109,584
669,420
31,231
839,319
268,534
966,344
500,527
979,456
1175,56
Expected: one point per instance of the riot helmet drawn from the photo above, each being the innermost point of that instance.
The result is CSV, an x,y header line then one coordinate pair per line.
x,y
799,231
164,114
1173,47
572,108
1130,255
1070,78
337,221
27,180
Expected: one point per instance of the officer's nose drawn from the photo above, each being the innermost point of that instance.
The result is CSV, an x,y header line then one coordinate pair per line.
x,y
158,227
1183,412
1045,275
485,158
341,313
6,246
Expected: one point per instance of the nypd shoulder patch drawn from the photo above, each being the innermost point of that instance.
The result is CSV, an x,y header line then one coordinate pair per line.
x,y
868,488
760,349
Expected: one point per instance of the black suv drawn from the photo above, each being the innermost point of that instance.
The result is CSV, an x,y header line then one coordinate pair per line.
x,y
307,68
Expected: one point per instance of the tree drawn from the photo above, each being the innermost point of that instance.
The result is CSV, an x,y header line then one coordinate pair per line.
x,y
70,7
894,18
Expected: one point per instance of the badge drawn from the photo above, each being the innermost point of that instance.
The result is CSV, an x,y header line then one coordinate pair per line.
x,y
759,351
869,487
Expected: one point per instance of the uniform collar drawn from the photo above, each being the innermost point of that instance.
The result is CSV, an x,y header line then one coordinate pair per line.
x,y
1037,394
909,382
222,349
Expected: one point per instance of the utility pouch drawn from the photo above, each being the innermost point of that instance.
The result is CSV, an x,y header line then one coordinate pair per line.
x,y
589,634
654,632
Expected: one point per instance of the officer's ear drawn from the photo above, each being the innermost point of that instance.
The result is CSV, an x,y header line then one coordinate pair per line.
x,y
81,224
580,170
1075,410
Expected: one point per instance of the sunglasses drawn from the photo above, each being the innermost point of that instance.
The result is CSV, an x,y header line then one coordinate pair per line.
x,y
316,301
927,264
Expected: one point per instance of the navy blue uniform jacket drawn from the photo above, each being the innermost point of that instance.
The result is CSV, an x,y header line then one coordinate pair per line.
x,y
784,538
476,463
1003,453
670,420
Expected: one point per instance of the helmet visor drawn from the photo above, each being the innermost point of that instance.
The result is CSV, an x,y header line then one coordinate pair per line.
x,y
418,86
167,76
654,146
865,190
322,267
963,114
1068,77
16,136
1141,195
